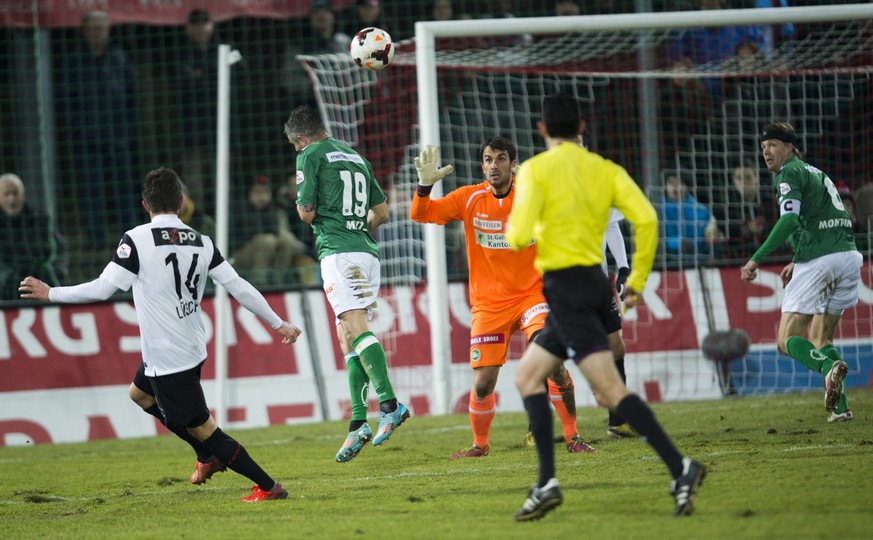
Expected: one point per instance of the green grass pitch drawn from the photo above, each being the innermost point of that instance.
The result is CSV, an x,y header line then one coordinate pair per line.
x,y
776,470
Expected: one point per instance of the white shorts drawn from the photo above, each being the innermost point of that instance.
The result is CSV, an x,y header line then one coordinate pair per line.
x,y
828,284
351,281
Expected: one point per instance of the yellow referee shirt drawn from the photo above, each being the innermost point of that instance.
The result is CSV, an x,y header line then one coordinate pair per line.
x,y
563,199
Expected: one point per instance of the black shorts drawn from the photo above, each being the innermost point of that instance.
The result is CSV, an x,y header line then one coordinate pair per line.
x,y
581,305
179,395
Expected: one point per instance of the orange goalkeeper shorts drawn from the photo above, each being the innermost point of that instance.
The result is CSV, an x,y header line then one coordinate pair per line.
x,y
490,330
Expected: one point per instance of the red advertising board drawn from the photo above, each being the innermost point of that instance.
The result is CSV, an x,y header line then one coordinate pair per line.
x,y
69,13
46,347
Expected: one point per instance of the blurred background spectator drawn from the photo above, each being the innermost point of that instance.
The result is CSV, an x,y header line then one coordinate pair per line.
x,y
99,114
196,80
104,97
194,216
567,7
365,13
28,245
859,224
685,107
749,212
710,45
319,35
263,248
689,230
863,203
504,9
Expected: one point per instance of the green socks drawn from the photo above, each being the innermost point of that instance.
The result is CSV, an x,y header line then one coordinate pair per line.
x,y
804,352
359,386
375,364
819,361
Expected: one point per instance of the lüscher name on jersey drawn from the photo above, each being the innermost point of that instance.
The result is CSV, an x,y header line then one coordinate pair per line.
x,y
176,237
187,308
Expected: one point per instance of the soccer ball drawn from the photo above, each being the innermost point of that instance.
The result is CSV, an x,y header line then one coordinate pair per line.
x,y
372,49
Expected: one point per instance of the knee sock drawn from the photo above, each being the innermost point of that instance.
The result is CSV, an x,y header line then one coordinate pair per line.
x,y
203,455
375,365
564,401
234,455
643,421
359,387
481,414
833,355
539,416
804,352
614,418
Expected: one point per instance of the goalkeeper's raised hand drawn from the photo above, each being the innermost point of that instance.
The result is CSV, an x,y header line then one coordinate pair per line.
x,y
426,165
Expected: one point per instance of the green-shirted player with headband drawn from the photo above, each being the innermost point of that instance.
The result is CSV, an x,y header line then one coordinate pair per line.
x,y
823,279
338,195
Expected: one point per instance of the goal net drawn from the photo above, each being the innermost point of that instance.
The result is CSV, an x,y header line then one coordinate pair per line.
x,y
675,98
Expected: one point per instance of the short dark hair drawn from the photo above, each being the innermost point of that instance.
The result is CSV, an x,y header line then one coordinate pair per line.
x,y
162,190
304,120
499,143
561,115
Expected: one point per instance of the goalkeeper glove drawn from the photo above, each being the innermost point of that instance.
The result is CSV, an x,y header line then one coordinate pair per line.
x,y
621,279
426,165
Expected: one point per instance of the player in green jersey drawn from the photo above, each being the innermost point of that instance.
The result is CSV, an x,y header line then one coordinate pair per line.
x,y
339,197
823,278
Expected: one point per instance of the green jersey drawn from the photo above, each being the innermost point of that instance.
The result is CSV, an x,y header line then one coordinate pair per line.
x,y
340,183
825,226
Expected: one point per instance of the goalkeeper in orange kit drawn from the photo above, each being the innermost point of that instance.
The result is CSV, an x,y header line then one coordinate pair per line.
x,y
505,288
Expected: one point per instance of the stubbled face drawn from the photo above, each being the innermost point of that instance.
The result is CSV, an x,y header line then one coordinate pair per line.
x,y
11,197
775,153
497,168
746,181
260,195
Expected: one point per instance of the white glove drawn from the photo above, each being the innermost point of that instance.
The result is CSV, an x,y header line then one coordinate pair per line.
x,y
426,165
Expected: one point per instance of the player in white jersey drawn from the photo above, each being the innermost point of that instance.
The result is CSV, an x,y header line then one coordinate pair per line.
x,y
167,263
617,427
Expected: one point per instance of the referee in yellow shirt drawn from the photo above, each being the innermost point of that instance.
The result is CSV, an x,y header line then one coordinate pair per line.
x,y
562,201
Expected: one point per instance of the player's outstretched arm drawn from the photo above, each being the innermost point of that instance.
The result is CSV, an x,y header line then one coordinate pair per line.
x,y
426,166
92,291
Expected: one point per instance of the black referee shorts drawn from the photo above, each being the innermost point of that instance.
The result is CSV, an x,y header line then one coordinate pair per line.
x,y
581,305
179,395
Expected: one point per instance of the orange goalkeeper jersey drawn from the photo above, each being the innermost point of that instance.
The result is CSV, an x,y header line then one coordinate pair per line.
x,y
499,276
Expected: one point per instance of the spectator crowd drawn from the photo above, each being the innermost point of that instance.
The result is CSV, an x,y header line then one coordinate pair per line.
x,y
128,98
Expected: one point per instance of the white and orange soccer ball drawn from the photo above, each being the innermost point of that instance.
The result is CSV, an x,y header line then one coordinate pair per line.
x,y
372,49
